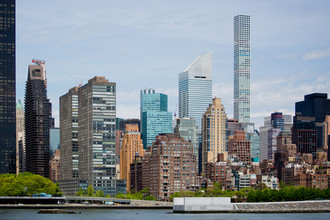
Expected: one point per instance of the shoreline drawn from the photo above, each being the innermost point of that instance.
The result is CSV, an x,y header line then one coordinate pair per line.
x,y
169,207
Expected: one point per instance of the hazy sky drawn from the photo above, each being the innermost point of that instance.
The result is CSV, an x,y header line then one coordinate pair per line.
x,y
146,44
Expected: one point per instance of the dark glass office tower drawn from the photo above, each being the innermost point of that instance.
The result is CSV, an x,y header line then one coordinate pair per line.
x,y
7,87
37,121
315,105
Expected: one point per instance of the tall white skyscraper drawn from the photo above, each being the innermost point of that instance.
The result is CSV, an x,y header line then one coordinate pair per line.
x,y
195,88
242,68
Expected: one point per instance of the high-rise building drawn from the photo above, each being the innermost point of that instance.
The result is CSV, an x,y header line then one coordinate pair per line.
x,y
169,167
88,131
97,133
54,166
239,146
7,87
273,125
69,117
37,120
315,105
130,148
242,68
188,130
304,135
155,118
254,139
195,89
20,138
214,132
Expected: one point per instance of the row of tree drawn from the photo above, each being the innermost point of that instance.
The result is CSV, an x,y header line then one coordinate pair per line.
x,y
288,193
26,184
141,195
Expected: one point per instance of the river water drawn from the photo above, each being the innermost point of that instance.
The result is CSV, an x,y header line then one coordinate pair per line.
x,y
152,214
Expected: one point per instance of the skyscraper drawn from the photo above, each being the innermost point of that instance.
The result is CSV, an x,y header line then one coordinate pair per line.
x,y
131,146
242,68
69,140
7,88
315,105
37,121
214,132
155,119
97,133
195,89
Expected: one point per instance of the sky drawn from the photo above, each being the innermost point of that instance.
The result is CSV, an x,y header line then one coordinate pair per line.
x,y
147,43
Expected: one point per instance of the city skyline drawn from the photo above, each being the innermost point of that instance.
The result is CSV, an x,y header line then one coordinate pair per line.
x,y
138,46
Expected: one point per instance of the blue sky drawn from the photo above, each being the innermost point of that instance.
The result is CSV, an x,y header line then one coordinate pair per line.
x,y
146,44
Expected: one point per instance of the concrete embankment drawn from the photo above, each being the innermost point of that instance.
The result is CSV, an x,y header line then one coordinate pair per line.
x,y
223,204
279,207
80,206
134,204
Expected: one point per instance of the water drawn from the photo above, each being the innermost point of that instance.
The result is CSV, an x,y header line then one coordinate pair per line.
x,y
153,214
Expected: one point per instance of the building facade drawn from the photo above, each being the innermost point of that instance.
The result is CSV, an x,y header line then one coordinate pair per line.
x,y
315,105
195,89
155,118
54,166
7,87
170,166
242,62
304,135
69,118
214,132
273,125
20,138
97,133
188,130
239,146
131,147
37,121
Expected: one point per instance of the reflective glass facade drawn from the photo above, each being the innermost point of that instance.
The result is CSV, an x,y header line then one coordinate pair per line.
x,y
242,68
155,119
7,87
195,89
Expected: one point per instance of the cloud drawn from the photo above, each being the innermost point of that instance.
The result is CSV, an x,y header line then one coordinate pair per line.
x,y
317,54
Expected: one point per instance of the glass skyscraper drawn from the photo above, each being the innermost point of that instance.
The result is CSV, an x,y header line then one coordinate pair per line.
x,y
242,68
155,119
195,88
7,88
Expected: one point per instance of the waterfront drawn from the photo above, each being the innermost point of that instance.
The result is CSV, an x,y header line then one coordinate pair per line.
x,y
154,214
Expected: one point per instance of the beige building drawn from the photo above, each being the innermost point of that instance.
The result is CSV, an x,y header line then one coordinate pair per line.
x,y
54,167
131,146
20,138
214,132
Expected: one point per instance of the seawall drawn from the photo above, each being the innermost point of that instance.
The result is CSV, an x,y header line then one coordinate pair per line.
x,y
223,204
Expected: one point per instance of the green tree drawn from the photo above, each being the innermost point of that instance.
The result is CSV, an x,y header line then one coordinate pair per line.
x,y
90,191
26,184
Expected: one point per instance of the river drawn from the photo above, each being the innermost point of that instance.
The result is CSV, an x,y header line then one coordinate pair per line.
x,y
152,214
